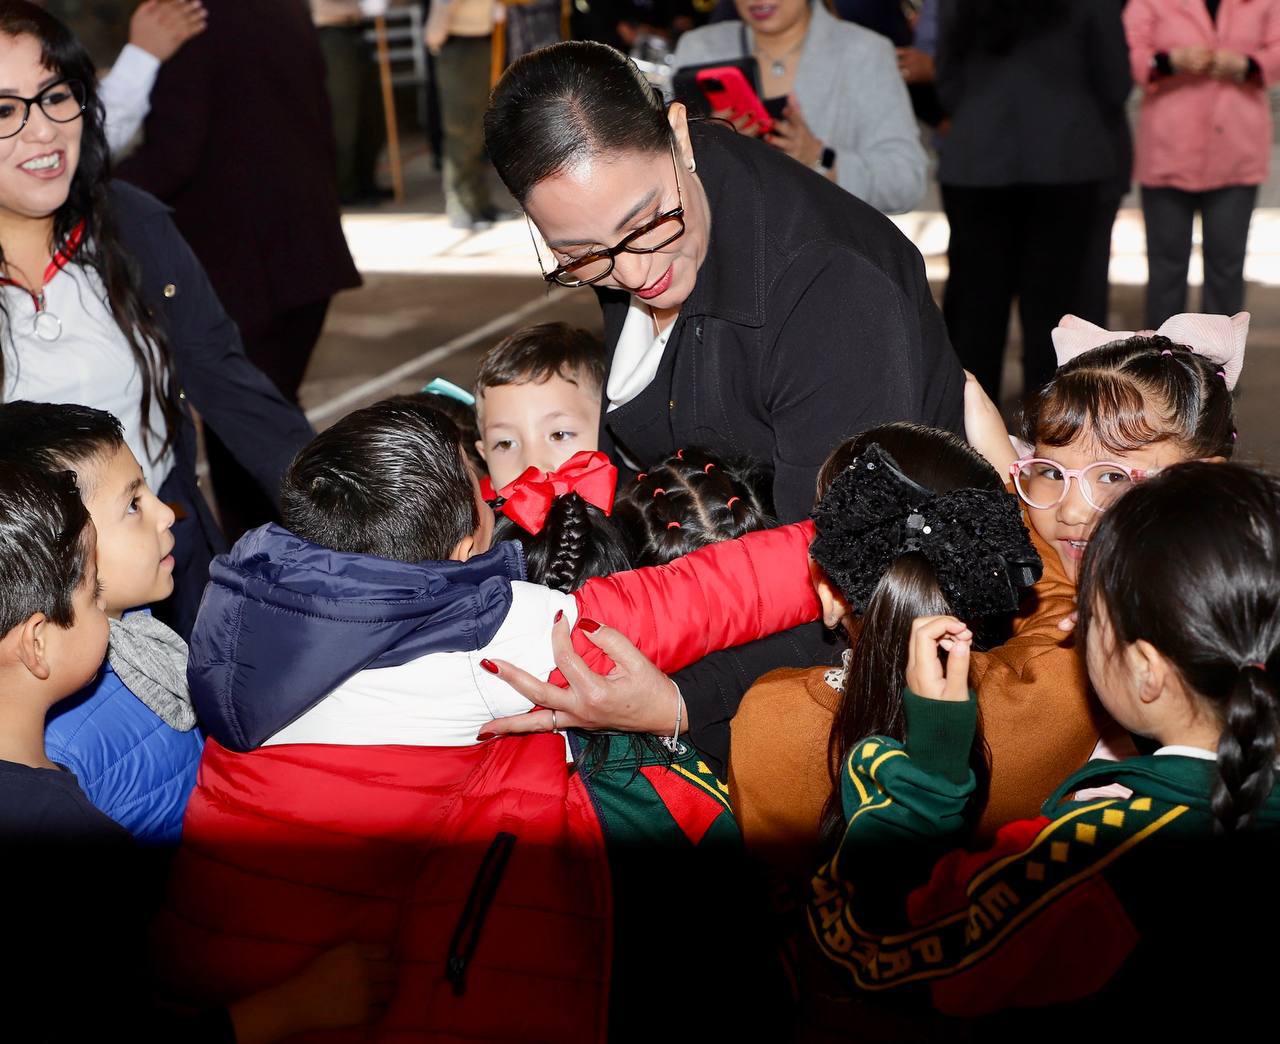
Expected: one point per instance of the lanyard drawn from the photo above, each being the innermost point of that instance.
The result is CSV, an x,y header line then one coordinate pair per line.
x,y
47,326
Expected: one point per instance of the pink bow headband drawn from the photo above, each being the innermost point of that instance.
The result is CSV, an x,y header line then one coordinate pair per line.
x,y
1219,338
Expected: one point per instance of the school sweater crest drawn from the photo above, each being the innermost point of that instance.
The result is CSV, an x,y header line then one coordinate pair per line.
x,y
1090,899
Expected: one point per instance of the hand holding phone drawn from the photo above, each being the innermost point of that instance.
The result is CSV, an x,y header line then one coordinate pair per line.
x,y
733,98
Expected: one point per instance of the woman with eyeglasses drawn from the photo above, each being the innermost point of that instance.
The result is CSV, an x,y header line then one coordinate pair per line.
x,y
844,109
751,306
103,304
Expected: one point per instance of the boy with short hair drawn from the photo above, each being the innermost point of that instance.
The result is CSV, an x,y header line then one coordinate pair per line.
x,y
129,735
343,668
538,396
75,886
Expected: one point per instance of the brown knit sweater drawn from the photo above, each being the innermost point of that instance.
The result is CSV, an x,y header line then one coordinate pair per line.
x,y
1039,721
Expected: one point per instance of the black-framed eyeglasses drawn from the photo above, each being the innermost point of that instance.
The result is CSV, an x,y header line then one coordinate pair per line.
x,y
592,267
62,102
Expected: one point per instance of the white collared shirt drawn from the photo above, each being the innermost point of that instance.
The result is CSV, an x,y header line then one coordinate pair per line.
x,y
91,363
637,355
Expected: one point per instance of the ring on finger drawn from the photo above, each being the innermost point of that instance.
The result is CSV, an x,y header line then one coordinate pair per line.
x,y
554,727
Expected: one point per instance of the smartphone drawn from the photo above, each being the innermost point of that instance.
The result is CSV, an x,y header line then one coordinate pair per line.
x,y
727,90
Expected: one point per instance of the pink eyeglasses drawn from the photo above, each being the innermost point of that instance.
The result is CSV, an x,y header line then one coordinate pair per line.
x,y
1043,483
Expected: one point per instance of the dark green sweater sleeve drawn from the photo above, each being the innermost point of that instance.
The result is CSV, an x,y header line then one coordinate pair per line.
x,y
904,804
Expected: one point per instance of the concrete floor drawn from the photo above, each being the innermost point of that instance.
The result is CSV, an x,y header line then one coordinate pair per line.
x,y
435,299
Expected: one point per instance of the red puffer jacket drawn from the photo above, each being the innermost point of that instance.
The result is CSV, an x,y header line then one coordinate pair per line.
x,y
484,867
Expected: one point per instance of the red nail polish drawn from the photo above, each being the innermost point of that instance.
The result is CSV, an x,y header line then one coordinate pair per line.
x,y
489,666
559,616
590,626
487,736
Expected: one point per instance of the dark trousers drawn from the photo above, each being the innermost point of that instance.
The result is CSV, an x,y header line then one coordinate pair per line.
x,y
1024,242
1224,215
1094,300
280,348
462,79
359,127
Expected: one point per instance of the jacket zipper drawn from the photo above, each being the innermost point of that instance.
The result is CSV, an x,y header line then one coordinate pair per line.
x,y
466,936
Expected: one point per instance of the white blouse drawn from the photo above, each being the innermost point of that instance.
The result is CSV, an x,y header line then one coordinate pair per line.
x,y
637,355
90,363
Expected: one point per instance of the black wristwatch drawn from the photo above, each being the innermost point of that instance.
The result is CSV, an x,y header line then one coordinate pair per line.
x,y
827,161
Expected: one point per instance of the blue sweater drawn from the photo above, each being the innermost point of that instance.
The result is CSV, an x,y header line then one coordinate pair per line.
x,y
132,766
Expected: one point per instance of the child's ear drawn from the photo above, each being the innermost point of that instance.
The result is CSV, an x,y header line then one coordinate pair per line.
x,y
464,549
1149,670
480,449
33,646
834,606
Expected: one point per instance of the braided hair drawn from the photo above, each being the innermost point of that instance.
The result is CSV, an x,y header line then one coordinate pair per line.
x,y
693,499
1189,561
576,543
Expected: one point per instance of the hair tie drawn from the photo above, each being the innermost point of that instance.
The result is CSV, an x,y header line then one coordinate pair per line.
x,y
1254,663
1222,374
641,477
680,454
731,501
1166,352
707,469
1234,436
659,492
673,525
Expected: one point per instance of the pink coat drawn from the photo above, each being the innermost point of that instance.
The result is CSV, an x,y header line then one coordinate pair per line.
x,y
1197,133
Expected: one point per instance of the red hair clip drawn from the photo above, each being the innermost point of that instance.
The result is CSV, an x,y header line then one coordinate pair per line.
x,y
673,525
659,492
707,469
731,501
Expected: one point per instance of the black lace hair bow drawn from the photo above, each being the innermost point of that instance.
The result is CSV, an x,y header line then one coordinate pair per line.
x,y
980,551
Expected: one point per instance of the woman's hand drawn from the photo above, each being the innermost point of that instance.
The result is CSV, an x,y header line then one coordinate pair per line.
x,y
984,427
1193,60
916,66
349,985
743,123
792,135
1228,65
634,697
160,27
926,674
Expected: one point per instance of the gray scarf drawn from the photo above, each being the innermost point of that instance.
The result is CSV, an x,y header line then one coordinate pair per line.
x,y
152,661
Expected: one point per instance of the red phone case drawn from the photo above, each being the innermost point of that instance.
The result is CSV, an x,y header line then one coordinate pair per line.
x,y
727,89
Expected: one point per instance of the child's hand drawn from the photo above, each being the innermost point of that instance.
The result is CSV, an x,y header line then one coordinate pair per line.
x,y
984,427
926,675
1068,622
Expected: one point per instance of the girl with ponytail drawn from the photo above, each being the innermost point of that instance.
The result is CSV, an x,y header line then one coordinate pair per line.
x,y
692,499
1101,900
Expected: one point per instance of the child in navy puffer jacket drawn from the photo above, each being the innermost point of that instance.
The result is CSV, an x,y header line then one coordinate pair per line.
x,y
129,735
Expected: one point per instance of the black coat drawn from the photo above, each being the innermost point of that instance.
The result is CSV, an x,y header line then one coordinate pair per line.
x,y
239,141
232,396
1045,111
811,320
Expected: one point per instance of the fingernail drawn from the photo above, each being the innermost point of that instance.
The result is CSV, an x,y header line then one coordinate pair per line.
x,y
559,616
489,666
484,736
590,626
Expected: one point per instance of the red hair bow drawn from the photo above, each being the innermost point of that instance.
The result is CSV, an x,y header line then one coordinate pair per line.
x,y
529,497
